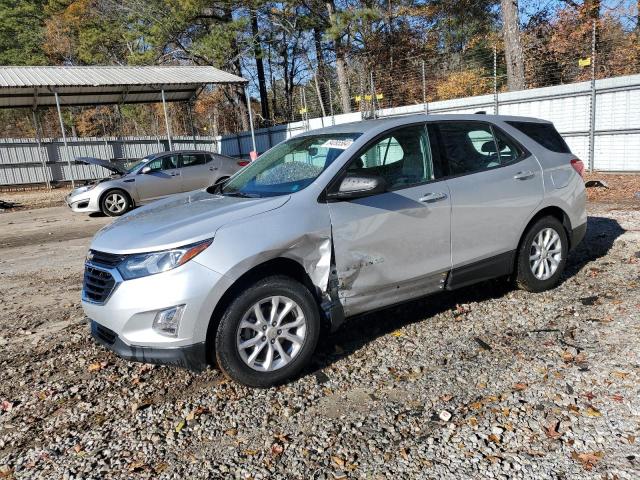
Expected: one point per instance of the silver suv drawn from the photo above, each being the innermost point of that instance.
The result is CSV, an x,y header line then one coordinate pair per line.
x,y
330,224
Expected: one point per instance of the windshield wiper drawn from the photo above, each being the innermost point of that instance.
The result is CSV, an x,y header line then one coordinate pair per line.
x,y
241,194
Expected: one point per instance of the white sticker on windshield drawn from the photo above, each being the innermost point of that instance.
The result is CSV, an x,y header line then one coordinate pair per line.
x,y
342,144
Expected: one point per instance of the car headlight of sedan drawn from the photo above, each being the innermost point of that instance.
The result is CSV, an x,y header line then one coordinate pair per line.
x,y
144,264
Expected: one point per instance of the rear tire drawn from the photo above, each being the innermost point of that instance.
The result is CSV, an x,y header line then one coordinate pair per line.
x,y
115,203
542,255
268,333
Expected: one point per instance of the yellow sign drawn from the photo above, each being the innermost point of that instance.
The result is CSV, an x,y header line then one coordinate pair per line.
x,y
584,62
303,110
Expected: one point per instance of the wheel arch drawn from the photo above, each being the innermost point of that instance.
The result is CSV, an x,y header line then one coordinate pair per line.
x,y
548,211
275,266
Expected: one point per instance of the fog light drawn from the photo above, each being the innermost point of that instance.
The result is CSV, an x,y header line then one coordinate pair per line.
x,y
167,321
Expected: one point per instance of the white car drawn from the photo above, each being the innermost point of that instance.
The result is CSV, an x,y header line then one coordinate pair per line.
x,y
154,177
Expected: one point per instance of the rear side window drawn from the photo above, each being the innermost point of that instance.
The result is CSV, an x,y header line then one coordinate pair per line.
x,y
469,147
543,133
193,159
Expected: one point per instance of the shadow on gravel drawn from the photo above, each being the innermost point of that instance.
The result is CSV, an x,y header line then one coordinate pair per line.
x,y
360,330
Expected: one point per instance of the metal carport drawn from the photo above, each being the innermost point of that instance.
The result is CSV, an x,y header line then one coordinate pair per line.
x,y
35,87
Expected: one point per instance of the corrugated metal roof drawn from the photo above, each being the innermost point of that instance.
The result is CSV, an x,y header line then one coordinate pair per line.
x,y
35,86
112,76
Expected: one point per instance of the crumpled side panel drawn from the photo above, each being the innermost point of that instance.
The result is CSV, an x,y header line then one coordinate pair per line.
x,y
313,252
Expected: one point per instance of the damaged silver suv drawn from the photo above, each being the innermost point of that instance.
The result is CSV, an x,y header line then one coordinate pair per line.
x,y
327,225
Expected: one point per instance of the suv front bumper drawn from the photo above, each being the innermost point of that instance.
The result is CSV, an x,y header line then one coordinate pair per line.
x,y
192,357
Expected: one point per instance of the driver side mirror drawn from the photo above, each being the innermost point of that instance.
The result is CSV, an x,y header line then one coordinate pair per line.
x,y
358,186
146,169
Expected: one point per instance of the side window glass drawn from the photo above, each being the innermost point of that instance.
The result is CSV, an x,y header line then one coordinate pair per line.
x,y
169,162
508,150
403,158
193,159
155,165
468,147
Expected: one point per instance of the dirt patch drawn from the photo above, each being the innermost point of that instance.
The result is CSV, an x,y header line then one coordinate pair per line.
x,y
621,189
11,201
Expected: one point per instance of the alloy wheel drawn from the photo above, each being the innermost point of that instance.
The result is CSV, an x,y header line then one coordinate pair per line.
x,y
271,333
115,202
545,254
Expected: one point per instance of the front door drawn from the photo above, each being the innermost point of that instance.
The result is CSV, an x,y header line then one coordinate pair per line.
x,y
162,179
393,246
495,186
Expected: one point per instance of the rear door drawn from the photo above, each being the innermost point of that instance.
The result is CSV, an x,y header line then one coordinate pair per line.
x,y
392,246
198,171
163,179
495,185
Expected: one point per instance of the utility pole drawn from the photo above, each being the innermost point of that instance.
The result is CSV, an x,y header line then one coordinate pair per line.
x,y
495,80
424,89
592,105
373,96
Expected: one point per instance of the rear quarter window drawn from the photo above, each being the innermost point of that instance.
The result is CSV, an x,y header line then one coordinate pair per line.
x,y
543,133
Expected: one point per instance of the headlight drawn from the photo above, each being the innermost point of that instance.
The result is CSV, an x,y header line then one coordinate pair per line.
x,y
143,264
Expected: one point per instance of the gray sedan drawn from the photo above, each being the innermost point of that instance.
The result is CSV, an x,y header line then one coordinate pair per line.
x,y
154,177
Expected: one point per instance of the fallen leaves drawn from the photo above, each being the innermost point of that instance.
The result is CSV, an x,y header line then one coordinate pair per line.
x,y
518,387
592,412
588,460
136,406
137,466
190,417
620,375
195,413
179,426
5,472
6,406
97,366
277,449
551,431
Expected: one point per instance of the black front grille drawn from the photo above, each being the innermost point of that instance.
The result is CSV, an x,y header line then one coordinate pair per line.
x,y
104,258
97,285
103,333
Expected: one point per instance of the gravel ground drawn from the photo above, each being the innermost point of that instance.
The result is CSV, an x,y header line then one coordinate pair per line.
x,y
485,382
33,199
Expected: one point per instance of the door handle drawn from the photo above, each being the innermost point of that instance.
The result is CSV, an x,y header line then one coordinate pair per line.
x,y
433,197
523,175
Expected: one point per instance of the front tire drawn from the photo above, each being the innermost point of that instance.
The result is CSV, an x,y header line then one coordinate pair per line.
x,y
542,255
115,203
268,333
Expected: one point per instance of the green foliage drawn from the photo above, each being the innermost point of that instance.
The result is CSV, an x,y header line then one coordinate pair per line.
x,y
21,32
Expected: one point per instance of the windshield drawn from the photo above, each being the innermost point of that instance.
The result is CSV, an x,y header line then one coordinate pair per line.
x,y
289,167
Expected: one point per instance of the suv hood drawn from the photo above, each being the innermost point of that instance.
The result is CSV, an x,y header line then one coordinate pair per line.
x,y
178,220
101,163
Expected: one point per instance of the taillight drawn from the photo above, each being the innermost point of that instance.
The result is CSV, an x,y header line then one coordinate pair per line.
x,y
578,166
244,163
